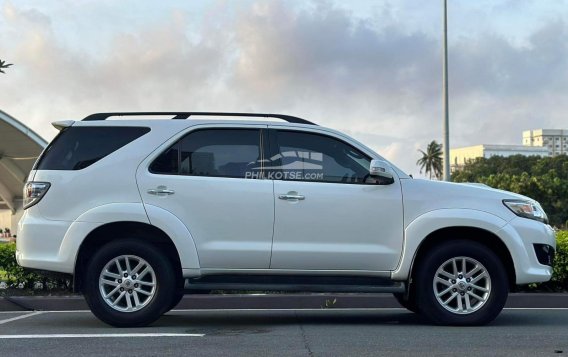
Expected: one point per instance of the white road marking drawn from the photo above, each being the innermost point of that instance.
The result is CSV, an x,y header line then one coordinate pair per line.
x,y
20,317
101,335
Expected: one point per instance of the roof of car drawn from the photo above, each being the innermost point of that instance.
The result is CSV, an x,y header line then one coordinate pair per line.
x,y
183,120
187,115
155,123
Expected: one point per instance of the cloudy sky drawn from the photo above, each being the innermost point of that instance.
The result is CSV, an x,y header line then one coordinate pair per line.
x,y
369,68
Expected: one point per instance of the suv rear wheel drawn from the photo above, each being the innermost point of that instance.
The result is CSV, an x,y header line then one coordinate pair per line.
x,y
129,283
461,283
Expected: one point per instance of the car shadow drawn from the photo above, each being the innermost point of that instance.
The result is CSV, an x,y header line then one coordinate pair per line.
x,y
288,317
227,322
265,318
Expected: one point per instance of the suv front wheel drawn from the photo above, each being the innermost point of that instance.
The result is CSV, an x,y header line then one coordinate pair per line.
x,y
129,283
461,283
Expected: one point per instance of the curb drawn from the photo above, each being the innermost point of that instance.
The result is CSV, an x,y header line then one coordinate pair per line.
x,y
274,301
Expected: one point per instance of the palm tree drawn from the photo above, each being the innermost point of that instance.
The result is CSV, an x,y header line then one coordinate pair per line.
x,y
431,160
3,65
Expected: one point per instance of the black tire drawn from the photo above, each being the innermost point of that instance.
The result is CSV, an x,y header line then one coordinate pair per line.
x,y
178,295
409,304
426,270
164,290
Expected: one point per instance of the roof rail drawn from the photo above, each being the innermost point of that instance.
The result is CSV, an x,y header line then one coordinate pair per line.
x,y
186,115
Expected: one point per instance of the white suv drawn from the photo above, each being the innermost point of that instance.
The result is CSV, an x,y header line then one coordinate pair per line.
x,y
143,211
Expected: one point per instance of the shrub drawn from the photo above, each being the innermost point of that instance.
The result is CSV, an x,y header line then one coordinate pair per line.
x,y
13,273
559,279
17,277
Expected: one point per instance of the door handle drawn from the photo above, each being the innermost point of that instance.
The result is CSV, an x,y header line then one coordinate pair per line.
x,y
292,197
160,191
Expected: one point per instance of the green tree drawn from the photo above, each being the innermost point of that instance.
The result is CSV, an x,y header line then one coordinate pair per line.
x,y
544,179
431,160
4,65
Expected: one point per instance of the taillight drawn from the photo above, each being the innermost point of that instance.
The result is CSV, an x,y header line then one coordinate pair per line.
x,y
33,192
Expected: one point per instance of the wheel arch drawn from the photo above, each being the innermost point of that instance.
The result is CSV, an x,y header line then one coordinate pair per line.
x,y
120,230
475,234
441,225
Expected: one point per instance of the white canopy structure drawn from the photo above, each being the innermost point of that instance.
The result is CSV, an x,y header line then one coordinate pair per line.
x,y
19,148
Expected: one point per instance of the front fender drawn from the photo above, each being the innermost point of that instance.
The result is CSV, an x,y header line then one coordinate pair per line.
x,y
417,230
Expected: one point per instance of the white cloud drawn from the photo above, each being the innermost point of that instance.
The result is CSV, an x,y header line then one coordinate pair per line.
x,y
371,77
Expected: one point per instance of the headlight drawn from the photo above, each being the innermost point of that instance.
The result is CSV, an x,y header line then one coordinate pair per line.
x,y
526,209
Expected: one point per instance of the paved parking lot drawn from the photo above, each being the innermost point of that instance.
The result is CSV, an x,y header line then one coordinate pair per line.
x,y
389,331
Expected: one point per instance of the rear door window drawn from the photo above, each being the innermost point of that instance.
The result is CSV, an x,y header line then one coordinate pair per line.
x,y
76,148
232,153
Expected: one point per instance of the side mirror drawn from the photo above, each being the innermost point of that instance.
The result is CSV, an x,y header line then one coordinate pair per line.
x,y
382,172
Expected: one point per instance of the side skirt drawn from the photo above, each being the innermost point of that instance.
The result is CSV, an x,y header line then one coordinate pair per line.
x,y
339,284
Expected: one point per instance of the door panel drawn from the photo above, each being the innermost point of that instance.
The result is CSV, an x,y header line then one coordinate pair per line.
x,y
330,215
229,217
337,227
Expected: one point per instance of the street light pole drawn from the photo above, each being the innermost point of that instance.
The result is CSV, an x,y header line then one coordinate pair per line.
x,y
446,129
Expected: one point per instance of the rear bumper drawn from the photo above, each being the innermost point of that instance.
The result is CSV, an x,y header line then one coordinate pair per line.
x,y
45,244
39,243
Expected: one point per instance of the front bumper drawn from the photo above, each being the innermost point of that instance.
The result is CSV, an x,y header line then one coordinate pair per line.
x,y
544,254
521,235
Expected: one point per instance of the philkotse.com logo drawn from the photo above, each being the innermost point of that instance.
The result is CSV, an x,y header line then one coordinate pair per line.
x,y
289,165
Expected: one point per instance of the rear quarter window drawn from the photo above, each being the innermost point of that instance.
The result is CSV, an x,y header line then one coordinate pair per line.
x,y
76,148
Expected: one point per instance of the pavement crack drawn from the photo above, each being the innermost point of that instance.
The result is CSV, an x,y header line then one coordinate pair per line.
x,y
304,336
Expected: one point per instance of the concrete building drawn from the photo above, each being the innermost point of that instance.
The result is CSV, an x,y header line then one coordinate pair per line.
x,y
460,156
555,140
19,148
538,142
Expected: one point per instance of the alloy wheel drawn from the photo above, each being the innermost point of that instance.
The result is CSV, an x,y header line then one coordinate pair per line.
x,y
127,283
462,285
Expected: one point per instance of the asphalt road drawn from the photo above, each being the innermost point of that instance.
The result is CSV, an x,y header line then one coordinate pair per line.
x,y
329,332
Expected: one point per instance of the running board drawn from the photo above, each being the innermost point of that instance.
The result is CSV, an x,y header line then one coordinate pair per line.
x,y
328,284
